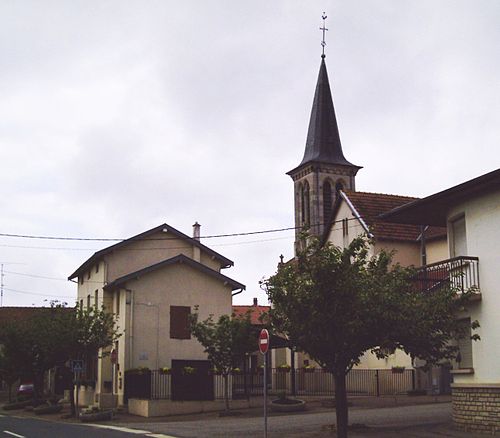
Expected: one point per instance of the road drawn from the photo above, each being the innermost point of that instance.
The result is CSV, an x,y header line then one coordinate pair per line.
x,y
409,421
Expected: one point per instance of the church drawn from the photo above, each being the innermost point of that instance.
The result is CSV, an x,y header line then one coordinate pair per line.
x,y
327,204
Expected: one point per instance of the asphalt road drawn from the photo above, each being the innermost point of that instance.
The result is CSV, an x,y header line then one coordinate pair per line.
x,y
409,421
26,427
420,421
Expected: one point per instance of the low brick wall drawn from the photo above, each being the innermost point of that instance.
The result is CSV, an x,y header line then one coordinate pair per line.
x,y
476,408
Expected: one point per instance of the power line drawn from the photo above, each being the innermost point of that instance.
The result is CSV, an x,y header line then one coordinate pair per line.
x,y
38,294
213,236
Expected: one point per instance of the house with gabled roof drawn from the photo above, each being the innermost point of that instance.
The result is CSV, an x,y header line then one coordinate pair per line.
x,y
151,282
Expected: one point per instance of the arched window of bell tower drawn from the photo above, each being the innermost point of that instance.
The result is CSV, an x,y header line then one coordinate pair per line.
x,y
327,201
305,215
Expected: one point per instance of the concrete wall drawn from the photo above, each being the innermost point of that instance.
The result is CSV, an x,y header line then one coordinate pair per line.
x,y
155,248
482,220
176,285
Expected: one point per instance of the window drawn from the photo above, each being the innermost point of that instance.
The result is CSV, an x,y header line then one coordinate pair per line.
x,y
97,268
81,304
117,303
464,355
327,202
458,238
88,274
305,205
179,322
96,298
88,301
81,279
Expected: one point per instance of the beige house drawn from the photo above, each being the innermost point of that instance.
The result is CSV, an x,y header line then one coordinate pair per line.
x,y
471,214
151,282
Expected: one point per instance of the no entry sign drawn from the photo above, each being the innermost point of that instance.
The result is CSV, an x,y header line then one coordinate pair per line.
x,y
264,341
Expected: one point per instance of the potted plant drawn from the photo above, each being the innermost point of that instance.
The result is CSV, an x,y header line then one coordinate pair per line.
x,y
187,371
165,370
283,368
309,368
236,370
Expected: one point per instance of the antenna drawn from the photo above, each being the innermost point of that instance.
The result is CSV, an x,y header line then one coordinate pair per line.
x,y
323,29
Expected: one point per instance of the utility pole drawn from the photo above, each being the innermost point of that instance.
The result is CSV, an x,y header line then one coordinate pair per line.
x,y
2,275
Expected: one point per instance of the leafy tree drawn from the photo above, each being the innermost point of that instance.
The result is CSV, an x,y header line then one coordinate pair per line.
x,y
336,304
53,336
225,341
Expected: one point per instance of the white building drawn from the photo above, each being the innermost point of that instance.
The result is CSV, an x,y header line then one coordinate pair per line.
x,y
471,213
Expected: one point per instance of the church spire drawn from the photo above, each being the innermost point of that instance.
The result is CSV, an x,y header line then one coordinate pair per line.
x,y
323,170
323,140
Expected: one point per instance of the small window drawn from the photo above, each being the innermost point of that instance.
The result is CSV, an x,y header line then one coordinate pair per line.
x,y
88,274
458,243
88,301
179,322
464,355
97,268
117,303
345,227
81,279
327,202
96,298
81,304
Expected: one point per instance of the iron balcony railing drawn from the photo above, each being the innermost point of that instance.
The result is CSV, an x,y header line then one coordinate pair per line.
x,y
460,273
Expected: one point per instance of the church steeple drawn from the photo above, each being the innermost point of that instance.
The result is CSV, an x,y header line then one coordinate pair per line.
x,y
323,169
323,139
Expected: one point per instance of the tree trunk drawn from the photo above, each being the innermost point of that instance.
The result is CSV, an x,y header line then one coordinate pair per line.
x,y
341,408
226,392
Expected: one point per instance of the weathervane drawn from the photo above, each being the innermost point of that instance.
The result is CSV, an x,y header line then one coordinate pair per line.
x,y
324,29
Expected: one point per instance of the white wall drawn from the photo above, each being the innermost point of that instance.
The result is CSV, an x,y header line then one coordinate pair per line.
x,y
482,220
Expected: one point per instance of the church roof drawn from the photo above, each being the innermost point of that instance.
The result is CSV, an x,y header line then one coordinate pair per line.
x,y
323,140
369,207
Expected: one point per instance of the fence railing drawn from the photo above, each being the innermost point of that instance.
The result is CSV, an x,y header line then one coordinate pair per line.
x,y
319,382
460,273
156,385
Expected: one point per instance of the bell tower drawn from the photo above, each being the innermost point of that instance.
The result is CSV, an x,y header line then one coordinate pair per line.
x,y
323,170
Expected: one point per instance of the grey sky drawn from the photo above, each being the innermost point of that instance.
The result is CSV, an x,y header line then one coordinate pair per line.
x,y
116,116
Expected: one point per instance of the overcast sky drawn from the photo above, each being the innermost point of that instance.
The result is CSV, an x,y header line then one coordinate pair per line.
x,y
117,116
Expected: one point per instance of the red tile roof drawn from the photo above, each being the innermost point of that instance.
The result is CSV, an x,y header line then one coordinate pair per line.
x,y
255,312
371,205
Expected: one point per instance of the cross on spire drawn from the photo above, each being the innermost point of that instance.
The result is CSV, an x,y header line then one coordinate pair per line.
x,y
324,29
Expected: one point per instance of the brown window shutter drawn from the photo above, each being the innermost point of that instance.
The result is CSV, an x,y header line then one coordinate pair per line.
x,y
179,322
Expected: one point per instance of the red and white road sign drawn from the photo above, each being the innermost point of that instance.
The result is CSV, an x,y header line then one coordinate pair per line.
x,y
264,341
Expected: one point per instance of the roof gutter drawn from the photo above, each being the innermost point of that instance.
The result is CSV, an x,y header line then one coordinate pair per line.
x,y
237,292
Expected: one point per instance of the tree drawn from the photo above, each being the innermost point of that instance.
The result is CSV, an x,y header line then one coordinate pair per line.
x,y
53,336
336,304
225,342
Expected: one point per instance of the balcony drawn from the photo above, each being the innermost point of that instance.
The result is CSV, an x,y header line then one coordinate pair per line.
x,y
460,273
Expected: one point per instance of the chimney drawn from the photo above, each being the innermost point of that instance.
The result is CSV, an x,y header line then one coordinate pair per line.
x,y
196,231
255,303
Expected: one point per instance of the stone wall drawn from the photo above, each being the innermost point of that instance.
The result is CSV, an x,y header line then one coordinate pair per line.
x,y
477,409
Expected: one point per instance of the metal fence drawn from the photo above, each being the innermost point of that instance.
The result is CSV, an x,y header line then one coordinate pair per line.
x,y
318,382
460,273
155,385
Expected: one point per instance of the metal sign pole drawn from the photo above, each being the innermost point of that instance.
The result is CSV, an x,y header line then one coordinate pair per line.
x,y
265,395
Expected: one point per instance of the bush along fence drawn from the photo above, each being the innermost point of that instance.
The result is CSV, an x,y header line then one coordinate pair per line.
x,y
160,384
